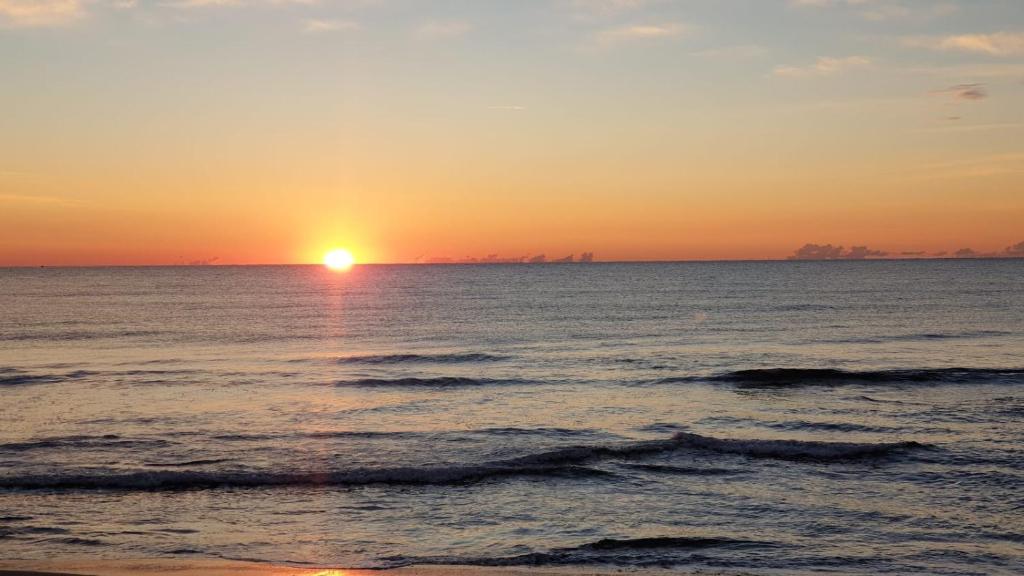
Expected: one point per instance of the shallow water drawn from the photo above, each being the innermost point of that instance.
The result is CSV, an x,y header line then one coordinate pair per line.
x,y
859,417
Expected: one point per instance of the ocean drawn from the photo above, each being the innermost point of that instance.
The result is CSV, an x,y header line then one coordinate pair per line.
x,y
855,417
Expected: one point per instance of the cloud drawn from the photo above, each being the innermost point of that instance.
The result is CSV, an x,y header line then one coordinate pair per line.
x,y
40,13
995,44
862,252
508,108
590,9
880,11
609,6
315,26
1016,251
971,71
969,168
443,29
966,92
830,252
886,12
203,261
736,52
824,66
203,3
31,199
643,32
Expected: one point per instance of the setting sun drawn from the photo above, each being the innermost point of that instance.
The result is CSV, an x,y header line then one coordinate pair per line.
x,y
339,259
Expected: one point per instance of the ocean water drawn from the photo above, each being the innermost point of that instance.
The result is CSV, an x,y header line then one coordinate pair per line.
x,y
853,417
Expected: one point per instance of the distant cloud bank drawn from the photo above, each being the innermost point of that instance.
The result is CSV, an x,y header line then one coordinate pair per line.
x,y
829,252
585,257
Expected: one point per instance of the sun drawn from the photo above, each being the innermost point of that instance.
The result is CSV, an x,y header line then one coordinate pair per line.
x,y
339,259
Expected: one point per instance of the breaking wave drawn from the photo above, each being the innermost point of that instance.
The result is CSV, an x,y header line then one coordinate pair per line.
x,y
566,462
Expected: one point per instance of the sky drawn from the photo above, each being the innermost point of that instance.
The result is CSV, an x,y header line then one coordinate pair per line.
x,y
269,131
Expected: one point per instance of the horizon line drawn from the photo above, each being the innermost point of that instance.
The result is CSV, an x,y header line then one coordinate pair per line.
x,y
682,261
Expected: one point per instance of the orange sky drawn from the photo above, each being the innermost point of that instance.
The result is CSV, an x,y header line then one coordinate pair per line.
x,y
154,133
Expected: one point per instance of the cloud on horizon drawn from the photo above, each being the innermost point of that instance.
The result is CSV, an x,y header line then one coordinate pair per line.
x,y
830,252
1016,251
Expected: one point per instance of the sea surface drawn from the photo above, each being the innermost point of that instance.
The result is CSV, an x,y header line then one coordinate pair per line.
x,y
849,417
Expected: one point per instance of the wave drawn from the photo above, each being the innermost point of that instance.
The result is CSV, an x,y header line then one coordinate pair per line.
x,y
781,377
797,449
81,443
653,551
451,358
923,336
196,479
15,377
436,382
565,462
684,470
75,335
201,462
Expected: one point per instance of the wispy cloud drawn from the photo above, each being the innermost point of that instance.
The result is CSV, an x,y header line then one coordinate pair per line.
x,y
29,199
995,44
976,127
40,13
508,108
970,168
737,52
203,3
824,66
882,10
966,92
443,29
605,8
993,70
637,32
317,26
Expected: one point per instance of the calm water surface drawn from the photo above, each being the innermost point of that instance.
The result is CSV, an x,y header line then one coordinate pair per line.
x,y
855,417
